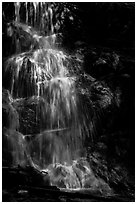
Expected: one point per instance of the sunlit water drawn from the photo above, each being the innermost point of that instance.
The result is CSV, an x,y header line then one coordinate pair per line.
x,y
49,118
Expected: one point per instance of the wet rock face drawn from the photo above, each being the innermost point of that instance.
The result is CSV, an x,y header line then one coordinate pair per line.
x,y
10,114
78,176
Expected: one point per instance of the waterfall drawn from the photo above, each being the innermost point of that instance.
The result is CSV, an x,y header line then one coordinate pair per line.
x,y
51,112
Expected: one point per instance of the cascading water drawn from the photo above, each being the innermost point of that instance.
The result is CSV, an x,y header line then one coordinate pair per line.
x,y
51,112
